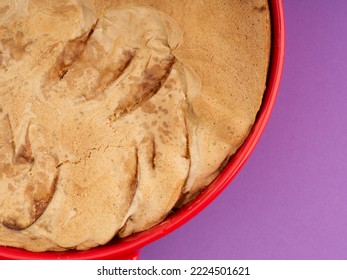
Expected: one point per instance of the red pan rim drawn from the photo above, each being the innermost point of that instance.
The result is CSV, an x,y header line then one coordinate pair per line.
x,y
129,247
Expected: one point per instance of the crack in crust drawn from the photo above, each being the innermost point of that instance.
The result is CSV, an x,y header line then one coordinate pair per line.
x,y
87,154
188,157
133,187
134,183
154,153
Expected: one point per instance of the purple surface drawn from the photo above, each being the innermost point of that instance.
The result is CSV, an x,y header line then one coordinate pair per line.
x,y
289,201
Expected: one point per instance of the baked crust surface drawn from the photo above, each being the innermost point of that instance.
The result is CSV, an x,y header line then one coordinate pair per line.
x,y
112,113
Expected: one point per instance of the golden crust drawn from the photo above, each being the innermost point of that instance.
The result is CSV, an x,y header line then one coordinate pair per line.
x,y
112,113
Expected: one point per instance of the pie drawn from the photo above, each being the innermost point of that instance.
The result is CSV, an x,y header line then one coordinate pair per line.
x,y
115,113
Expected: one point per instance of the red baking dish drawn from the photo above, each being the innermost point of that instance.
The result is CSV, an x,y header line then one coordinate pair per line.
x,y
128,248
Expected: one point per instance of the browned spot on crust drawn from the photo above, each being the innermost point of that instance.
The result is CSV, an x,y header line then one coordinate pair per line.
x,y
71,53
152,80
29,189
11,223
40,206
162,139
24,153
16,45
1,62
40,197
187,154
153,152
170,84
111,74
32,187
3,10
161,109
11,187
148,107
260,9
7,169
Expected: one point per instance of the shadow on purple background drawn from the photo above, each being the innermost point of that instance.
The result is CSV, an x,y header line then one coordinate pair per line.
x,y
290,199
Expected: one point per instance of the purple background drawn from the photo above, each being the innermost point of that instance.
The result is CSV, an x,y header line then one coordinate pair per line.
x,y
289,201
